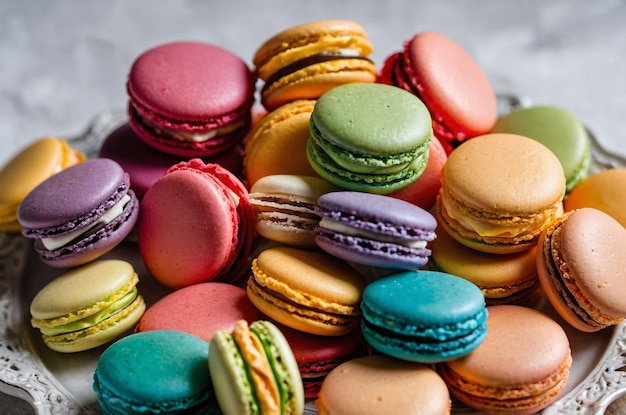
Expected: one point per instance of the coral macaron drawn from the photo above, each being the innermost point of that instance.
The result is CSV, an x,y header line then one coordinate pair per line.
x,y
581,263
453,86
196,225
80,213
190,99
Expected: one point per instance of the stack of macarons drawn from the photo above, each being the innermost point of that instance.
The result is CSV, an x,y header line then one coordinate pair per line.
x,y
357,229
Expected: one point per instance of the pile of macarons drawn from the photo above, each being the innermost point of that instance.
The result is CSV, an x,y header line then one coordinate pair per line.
x,y
327,232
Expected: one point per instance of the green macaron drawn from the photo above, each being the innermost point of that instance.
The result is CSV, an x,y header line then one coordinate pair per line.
x,y
254,371
369,137
559,130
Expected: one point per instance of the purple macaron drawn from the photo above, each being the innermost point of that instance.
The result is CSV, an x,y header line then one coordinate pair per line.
x,y
80,213
374,230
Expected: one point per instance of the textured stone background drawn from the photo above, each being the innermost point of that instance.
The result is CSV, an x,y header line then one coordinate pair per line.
x,y
63,62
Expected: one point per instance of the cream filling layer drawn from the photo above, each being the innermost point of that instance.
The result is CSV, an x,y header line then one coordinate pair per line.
x,y
197,136
326,223
483,228
93,319
62,240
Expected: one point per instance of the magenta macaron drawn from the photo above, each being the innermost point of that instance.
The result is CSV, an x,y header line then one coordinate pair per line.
x,y
145,164
196,225
80,213
190,99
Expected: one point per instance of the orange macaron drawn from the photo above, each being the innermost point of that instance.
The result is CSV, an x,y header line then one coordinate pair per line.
x,y
520,368
499,192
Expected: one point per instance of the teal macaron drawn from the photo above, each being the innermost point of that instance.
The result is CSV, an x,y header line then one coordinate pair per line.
x,y
559,130
369,137
423,316
154,372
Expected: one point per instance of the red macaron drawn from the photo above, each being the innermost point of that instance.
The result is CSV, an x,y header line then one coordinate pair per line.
x,y
190,99
449,81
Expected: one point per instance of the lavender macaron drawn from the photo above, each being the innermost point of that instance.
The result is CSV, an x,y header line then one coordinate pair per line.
x,y
374,230
80,213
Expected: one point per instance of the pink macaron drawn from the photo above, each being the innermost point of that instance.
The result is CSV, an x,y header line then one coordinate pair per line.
x,y
448,79
190,99
196,225
200,309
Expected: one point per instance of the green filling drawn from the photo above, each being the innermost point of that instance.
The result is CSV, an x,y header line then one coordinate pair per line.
x,y
93,319
246,383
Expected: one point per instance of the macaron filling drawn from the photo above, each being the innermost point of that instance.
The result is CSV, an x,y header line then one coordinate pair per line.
x,y
196,135
55,242
93,319
338,227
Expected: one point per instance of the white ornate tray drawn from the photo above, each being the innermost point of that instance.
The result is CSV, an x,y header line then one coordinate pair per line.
x,y
57,383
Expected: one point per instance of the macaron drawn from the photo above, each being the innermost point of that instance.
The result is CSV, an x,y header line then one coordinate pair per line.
x,y
374,230
503,278
317,355
306,290
604,190
499,192
190,99
26,169
559,130
423,192
156,372
283,131
451,83
369,137
285,207
423,316
200,309
380,384
254,371
80,213
145,164
196,225
520,368
88,306
304,61
581,265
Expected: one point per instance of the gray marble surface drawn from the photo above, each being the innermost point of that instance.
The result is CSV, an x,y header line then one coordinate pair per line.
x,y
64,62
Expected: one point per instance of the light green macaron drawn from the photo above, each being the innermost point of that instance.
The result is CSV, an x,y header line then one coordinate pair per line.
x,y
559,130
254,371
369,137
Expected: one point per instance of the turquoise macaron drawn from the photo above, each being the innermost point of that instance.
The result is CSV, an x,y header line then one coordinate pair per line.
x,y
369,137
156,372
559,130
423,316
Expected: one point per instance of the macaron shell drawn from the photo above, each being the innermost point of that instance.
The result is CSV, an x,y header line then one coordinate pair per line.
x,y
452,85
556,128
379,385
27,169
200,309
165,81
153,371
505,173
188,228
87,185
604,190
282,131
522,365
